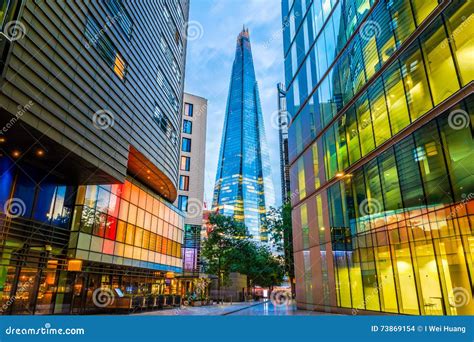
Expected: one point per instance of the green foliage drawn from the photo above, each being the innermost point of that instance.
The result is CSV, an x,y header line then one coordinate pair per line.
x,y
278,224
229,249
220,248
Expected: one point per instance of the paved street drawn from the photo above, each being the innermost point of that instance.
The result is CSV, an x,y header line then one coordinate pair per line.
x,y
269,309
236,309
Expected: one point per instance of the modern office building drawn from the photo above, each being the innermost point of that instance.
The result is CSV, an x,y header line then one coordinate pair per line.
x,y
191,179
244,187
283,123
381,149
89,154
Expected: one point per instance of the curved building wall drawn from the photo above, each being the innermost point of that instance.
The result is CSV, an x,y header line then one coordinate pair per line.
x,y
120,60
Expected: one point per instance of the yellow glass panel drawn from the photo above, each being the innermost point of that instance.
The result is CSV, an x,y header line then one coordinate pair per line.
x,y
371,57
386,281
405,278
121,231
423,8
461,27
140,217
119,66
317,182
380,119
439,64
432,301
301,178
396,101
132,214
130,233
138,237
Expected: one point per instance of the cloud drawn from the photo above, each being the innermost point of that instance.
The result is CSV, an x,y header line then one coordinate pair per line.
x,y
209,65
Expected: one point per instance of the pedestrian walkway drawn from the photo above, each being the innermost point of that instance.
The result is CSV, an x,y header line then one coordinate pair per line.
x,y
210,310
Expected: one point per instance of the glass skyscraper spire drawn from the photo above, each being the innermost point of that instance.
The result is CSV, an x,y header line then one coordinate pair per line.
x,y
244,187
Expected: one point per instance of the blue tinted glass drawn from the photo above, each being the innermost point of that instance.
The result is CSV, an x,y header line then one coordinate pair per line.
x,y
243,186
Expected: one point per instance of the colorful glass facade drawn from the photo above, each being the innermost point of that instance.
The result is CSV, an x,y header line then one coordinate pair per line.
x,y
126,224
381,149
244,187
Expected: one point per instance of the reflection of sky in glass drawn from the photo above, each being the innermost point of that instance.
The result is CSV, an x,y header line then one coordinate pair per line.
x,y
244,186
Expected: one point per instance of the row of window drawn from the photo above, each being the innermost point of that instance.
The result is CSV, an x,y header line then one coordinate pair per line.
x,y
129,203
168,90
120,15
173,27
429,168
364,56
97,38
164,123
400,227
331,26
165,49
421,78
93,248
113,230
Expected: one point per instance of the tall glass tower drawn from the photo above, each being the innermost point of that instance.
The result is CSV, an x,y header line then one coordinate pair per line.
x,y
244,185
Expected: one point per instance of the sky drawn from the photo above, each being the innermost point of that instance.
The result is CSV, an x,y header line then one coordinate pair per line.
x,y
212,33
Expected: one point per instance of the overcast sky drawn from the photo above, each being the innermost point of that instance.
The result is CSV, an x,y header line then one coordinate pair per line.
x,y
213,29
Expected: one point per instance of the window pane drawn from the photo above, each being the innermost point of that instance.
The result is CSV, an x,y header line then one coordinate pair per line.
x,y
365,125
432,165
439,62
458,144
396,102
423,8
416,85
460,23
352,135
378,108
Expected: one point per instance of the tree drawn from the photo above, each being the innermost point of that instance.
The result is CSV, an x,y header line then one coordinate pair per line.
x,y
221,249
278,224
265,269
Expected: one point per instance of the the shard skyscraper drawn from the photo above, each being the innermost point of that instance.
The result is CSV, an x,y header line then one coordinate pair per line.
x,y
244,187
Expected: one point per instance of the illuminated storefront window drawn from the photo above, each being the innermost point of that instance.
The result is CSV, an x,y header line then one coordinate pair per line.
x,y
126,224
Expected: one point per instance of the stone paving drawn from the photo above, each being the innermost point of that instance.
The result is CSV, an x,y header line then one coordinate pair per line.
x,y
266,308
